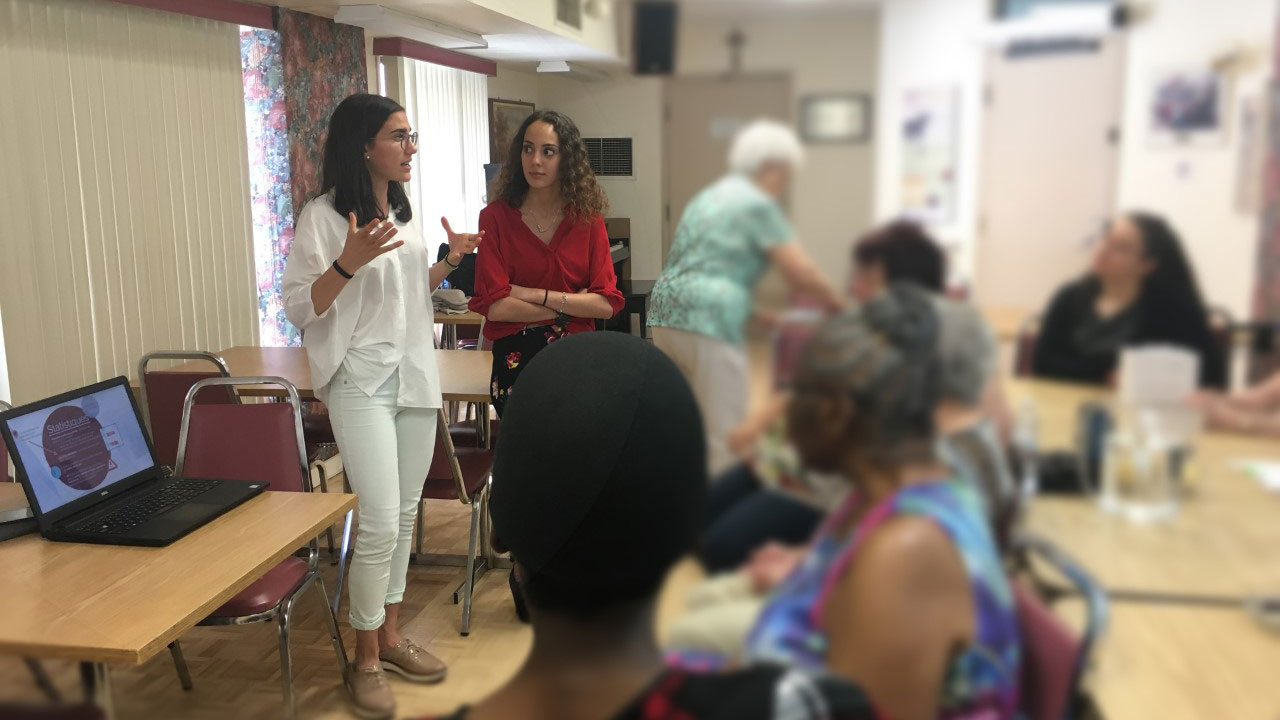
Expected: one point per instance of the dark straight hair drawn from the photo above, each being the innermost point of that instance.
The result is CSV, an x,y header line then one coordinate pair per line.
x,y
354,123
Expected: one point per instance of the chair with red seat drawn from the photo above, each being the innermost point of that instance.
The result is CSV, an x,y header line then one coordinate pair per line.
x,y
162,392
4,451
463,474
1024,348
260,442
796,327
1054,659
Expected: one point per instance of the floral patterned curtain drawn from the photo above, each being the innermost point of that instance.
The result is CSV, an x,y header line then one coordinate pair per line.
x,y
269,178
293,78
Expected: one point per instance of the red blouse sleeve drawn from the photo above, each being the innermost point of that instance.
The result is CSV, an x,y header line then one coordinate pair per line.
x,y
492,281
603,280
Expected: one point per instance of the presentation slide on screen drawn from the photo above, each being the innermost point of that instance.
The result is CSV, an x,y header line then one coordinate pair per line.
x,y
79,447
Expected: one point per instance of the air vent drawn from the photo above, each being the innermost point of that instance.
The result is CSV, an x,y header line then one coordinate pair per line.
x,y
569,12
610,157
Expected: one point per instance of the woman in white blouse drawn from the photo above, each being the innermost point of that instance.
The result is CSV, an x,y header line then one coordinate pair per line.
x,y
358,283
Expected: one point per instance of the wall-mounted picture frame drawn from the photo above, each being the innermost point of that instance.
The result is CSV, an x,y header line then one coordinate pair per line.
x,y
835,118
930,151
505,117
1189,107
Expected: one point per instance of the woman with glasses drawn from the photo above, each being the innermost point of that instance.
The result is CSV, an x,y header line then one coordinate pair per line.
x,y
358,283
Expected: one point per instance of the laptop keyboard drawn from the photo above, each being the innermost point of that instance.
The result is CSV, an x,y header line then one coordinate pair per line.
x,y
147,507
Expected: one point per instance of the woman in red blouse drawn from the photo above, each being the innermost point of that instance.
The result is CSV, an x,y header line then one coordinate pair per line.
x,y
545,270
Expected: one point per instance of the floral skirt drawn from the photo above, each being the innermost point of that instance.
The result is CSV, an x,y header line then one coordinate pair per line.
x,y
512,353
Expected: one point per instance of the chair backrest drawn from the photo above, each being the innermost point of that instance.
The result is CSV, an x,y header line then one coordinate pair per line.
x,y
1024,346
4,450
259,441
1054,658
795,328
163,392
444,460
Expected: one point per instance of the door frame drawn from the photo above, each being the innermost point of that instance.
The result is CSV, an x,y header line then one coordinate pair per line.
x,y
983,194
669,222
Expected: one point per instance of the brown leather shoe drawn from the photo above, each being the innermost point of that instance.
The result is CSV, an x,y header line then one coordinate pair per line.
x,y
412,662
371,693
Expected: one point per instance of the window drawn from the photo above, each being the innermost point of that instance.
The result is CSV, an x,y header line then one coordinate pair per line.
x,y
268,143
450,110
1011,9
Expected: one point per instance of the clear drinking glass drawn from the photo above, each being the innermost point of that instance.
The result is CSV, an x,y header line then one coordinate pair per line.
x,y
1139,476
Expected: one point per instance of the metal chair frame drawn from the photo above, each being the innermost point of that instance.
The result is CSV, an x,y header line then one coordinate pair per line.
x,y
1097,604
476,564
213,358
282,613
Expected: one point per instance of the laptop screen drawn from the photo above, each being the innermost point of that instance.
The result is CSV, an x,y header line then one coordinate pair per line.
x,y
80,446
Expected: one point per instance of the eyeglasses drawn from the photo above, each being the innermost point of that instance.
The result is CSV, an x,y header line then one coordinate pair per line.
x,y
405,140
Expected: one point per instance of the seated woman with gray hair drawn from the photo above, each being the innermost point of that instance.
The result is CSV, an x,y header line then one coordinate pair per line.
x,y
746,510
730,232
901,589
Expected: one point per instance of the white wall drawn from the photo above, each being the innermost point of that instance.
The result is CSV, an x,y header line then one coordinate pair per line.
x,y
513,84
1195,187
628,107
831,201
932,43
624,107
823,53
599,33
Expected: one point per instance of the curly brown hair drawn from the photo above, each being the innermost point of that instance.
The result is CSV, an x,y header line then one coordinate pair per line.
x,y
583,196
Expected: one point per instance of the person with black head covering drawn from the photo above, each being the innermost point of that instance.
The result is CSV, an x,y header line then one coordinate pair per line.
x,y
594,534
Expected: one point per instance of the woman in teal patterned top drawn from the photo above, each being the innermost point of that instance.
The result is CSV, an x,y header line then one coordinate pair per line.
x,y
727,236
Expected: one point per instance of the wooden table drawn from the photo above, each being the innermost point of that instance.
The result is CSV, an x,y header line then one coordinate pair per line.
x,y
122,605
1225,539
464,374
450,323
1005,322
1175,660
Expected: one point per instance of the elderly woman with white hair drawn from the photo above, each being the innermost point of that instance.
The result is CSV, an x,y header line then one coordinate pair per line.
x,y
728,235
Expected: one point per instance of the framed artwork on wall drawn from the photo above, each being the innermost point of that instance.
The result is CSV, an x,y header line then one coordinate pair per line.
x,y
930,152
1189,107
505,117
835,118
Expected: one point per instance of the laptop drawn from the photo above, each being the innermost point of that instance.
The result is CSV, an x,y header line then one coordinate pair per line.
x,y
90,473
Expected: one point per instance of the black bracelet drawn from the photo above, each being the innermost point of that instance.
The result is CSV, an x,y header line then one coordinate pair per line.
x,y
342,272
545,292
446,262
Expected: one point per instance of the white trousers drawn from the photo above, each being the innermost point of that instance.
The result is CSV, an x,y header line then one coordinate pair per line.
x,y
386,452
717,370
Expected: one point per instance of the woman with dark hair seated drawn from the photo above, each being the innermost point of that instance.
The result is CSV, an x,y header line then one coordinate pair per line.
x,y
1140,290
593,535
900,251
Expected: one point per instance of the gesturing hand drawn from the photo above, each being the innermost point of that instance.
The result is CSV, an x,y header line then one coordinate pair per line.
x,y
366,243
460,244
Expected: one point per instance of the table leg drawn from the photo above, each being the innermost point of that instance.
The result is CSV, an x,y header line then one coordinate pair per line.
x,y
449,336
97,687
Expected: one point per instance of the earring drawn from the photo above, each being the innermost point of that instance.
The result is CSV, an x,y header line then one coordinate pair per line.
x,y
366,156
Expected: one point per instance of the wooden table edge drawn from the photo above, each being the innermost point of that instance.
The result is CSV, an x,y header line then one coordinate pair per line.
x,y
175,632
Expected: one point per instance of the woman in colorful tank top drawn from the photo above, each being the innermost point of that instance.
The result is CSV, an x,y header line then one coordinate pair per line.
x,y
902,590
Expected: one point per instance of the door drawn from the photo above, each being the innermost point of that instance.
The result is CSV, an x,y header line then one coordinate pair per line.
x,y
1049,163
702,116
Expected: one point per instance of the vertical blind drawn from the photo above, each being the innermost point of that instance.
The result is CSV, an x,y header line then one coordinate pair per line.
x,y
125,191
449,109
